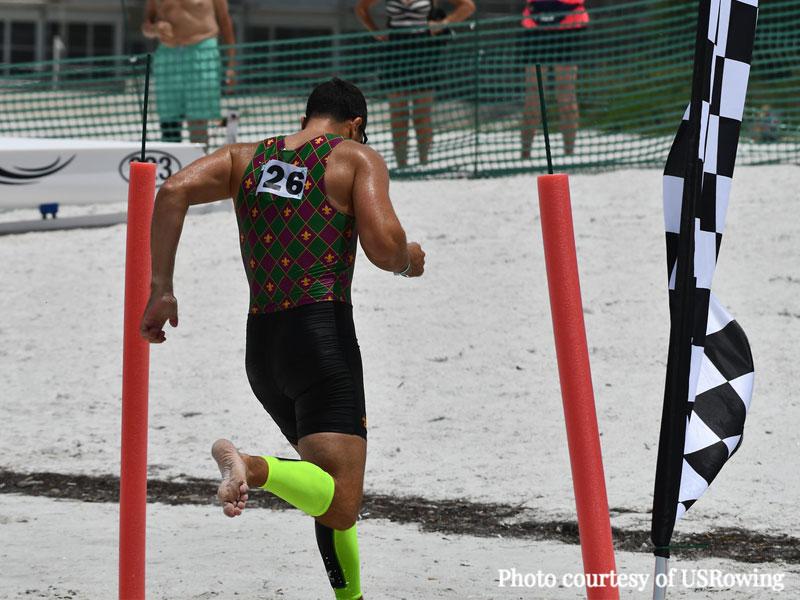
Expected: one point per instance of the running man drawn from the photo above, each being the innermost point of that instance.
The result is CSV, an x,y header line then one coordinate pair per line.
x,y
186,67
301,201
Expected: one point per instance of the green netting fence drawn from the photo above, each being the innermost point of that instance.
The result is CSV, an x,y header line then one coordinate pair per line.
x,y
633,81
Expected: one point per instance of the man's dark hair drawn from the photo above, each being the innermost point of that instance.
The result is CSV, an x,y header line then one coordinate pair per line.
x,y
337,99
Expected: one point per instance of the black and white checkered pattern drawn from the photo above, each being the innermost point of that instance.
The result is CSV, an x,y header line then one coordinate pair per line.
x,y
721,371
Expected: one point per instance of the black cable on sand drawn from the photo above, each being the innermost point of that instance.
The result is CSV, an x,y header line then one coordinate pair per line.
x,y
146,100
544,118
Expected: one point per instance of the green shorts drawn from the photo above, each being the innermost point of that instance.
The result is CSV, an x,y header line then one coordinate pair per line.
x,y
188,81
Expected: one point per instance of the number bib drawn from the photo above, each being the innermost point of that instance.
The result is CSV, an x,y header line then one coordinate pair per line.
x,y
282,179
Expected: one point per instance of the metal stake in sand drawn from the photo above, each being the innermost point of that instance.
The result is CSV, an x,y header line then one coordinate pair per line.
x,y
135,375
544,118
583,439
146,101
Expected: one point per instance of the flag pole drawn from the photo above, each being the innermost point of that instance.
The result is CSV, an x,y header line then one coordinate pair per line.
x,y
660,578
709,130
676,390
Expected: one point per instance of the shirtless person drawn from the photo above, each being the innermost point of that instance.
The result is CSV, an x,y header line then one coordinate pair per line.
x,y
302,202
187,63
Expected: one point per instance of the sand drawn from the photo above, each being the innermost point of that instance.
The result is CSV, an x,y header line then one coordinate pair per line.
x,y
462,391
67,550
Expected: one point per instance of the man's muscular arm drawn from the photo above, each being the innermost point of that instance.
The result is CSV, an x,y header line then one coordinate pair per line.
x,y
382,237
205,180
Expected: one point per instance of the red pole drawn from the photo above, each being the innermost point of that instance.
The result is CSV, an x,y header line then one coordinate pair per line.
x,y
583,438
135,381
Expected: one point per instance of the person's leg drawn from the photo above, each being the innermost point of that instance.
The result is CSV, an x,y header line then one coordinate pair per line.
x,y
171,131
422,109
261,347
304,365
202,82
339,551
398,119
344,457
326,484
531,113
168,93
567,99
198,132
334,499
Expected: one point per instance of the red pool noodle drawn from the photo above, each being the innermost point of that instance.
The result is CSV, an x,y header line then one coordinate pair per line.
x,y
575,376
135,383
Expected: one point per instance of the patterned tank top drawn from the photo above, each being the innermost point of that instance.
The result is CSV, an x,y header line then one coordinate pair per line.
x,y
296,247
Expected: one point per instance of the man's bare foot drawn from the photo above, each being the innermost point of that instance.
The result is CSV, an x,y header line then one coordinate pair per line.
x,y
232,491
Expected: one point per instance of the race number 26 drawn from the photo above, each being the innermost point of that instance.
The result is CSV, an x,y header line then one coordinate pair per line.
x,y
282,179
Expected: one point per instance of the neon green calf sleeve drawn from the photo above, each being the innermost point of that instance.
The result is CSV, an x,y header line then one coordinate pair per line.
x,y
302,484
339,550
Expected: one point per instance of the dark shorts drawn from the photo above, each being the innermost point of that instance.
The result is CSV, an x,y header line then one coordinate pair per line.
x,y
304,366
551,46
409,61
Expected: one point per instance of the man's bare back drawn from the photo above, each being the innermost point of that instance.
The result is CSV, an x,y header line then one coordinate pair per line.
x,y
339,172
183,22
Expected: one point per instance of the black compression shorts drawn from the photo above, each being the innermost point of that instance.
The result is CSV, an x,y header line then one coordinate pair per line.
x,y
304,366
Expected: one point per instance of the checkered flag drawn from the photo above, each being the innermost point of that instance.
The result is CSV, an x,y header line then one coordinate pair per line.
x,y
710,368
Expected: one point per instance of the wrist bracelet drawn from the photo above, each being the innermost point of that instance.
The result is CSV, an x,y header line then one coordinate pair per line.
x,y
404,272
